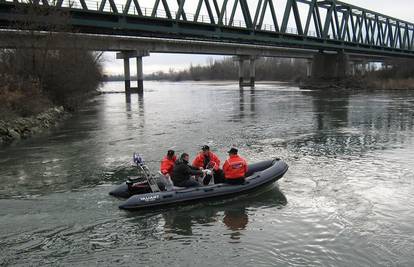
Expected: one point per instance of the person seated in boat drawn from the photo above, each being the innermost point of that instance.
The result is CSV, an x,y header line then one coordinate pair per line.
x,y
206,158
234,168
182,172
167,163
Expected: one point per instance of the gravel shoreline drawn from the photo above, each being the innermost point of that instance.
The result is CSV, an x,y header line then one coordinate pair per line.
x,y
23,128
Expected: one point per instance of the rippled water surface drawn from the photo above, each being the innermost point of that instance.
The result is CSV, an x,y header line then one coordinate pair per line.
x,y
347,199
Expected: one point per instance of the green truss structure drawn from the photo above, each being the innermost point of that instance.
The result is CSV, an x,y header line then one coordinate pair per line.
x,y
324,25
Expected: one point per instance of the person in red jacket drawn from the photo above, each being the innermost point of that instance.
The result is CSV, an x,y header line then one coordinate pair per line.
x,y
167,163
204,160
235,168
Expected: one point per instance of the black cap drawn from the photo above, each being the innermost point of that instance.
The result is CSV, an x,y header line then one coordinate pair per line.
x,y
170,152
232,151
205,147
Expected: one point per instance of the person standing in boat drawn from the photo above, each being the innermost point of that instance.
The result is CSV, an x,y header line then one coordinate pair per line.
x,y
206,158
182,172
234,168
167,163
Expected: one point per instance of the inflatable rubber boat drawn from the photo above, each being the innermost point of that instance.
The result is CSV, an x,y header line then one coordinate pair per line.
x,y
259,174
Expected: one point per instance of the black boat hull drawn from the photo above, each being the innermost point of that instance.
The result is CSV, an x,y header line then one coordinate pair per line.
x,y
260,174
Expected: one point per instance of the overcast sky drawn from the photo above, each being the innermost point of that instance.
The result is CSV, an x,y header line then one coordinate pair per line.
x,y
402,9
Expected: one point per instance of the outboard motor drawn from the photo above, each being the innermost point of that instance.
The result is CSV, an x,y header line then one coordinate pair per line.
x,y
130,182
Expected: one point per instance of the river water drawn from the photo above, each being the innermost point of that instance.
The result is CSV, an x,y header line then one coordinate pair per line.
x,y
347,199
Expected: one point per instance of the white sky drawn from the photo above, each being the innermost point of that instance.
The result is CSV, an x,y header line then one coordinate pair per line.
x,y
402,9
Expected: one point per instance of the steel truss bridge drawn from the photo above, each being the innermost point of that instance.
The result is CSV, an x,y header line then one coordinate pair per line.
x,y
334,36
325,25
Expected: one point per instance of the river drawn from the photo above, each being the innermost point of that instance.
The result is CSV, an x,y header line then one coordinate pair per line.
x,y
347,199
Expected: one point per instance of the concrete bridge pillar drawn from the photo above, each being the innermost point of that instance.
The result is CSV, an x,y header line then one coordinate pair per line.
x,y
126,55
140,75
330,66
127,76
252,70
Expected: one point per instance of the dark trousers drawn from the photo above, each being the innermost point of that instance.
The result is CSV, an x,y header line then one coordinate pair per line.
x,y
235,181
218,177
188,183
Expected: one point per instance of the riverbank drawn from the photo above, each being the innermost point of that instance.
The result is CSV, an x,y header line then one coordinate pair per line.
x,y
23,128
359,83
39,88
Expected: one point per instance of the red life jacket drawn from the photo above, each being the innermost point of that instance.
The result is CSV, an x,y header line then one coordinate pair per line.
x,y
199,160
167,165
235,167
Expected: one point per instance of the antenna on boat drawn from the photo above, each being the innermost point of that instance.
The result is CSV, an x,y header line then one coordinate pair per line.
x,y
139,160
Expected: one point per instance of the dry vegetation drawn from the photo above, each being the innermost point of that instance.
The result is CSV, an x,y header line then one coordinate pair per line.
x,y
34,79
399,76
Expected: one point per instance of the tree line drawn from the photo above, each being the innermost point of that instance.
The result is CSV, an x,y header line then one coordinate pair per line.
x,y
269,69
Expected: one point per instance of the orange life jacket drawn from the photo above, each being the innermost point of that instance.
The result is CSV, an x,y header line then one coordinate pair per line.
x,y
167,165
235,167
199,160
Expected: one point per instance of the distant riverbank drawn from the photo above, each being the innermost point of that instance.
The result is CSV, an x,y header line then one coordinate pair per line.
x,y
396,74
360,83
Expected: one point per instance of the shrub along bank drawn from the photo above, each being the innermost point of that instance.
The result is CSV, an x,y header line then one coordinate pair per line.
x,y
33,84
37,85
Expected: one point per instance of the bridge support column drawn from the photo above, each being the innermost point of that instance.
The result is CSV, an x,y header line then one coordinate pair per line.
x,y
127,76
330,66
126,55
252,70
140,75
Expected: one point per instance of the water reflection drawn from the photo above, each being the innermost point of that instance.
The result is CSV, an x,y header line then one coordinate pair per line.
x,y
330,109
232,212
182,222
141,110
140,104
346,122
250,101
128,106
236,220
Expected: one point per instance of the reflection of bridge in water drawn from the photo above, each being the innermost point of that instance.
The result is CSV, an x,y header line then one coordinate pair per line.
x,y
344,121
333,36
